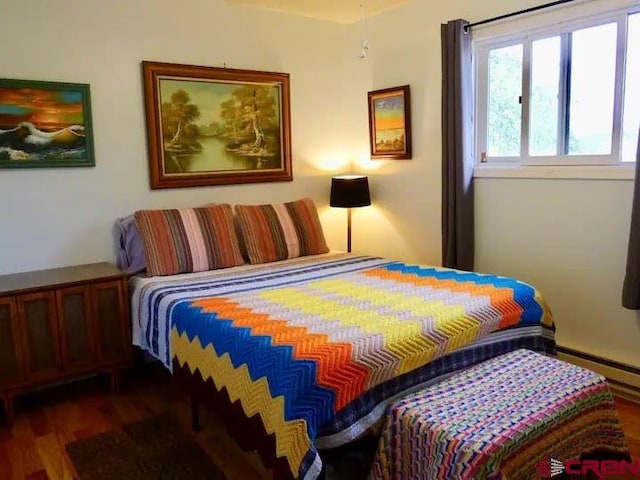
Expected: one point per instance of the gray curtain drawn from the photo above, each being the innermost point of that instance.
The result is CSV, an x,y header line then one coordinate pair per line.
x,y
457,147
631,287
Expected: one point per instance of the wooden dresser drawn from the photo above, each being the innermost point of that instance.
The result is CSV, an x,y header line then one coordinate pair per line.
x,y
62,323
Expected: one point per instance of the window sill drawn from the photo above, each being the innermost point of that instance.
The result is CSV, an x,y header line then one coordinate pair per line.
x,y
571,172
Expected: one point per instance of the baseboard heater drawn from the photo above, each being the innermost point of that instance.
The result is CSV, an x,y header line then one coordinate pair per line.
x,y
624,379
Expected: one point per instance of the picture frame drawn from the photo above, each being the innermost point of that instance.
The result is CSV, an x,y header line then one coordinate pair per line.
x,y
45,124
390,123
216,126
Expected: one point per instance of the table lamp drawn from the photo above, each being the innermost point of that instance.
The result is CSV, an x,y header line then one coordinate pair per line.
x,y
349,191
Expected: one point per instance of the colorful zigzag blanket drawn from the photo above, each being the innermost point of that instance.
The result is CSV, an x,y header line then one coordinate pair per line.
x,y
318,346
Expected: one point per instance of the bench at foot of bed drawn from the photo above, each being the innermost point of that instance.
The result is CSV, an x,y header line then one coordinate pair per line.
x,y
519,415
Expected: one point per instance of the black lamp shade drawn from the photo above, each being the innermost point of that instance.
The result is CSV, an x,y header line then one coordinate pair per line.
x,y
350,191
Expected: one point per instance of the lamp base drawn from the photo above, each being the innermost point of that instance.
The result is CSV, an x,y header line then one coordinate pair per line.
x,y
348,230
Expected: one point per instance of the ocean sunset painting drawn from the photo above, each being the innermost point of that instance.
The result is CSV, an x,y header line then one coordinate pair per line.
x,y
44,124
389,118
389,123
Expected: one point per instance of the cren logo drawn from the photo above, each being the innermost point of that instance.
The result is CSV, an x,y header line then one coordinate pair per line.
x,y
549,468
601,469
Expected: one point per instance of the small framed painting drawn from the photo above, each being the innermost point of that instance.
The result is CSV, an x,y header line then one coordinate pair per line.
x,y
390,123
45,124
216,126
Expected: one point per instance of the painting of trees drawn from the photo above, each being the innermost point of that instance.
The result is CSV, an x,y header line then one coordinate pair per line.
x,y
178,116
251,121
213,126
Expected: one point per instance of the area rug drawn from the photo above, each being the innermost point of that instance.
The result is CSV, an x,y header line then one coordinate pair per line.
x,y
152,449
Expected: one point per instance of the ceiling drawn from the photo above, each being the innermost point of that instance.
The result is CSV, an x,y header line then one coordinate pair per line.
x,y
342,11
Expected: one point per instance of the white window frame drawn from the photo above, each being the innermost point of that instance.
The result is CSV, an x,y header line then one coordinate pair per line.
x,y
597,164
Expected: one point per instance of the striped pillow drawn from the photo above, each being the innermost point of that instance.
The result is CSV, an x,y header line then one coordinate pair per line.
x,y
188,239
279,231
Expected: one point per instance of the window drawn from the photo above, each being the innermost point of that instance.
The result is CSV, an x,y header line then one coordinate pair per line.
x,y
565,95
504,115
632,91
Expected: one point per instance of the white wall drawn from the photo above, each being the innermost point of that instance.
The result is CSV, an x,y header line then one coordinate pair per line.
x,y
56,217
569,239
405,221
566,237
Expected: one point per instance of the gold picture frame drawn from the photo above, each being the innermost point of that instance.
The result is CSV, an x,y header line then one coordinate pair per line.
x,y
216,126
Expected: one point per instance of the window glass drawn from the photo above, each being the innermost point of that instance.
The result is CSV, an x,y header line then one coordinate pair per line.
x,y
505,113
631,121
545,86
592,89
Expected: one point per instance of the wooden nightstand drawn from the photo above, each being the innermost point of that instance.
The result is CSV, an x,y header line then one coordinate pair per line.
x,y
62,323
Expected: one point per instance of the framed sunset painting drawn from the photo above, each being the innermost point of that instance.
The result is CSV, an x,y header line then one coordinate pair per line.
x,y
390,123
45,124
215,126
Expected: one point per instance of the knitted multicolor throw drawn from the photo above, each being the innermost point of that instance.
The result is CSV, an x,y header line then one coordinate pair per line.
x,y
500,419
316,348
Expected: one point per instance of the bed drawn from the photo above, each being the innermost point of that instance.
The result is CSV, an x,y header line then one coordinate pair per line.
x,y
304,354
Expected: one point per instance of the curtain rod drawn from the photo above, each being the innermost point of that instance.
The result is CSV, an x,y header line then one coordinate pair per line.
x,y
520,12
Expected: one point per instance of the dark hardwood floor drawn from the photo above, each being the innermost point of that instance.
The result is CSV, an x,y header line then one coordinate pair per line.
x,y
630,418
33,447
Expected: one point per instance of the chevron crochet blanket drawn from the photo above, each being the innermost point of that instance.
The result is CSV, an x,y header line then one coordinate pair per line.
x,y
317,347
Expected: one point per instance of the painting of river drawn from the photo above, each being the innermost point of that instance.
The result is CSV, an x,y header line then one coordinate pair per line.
x,y
216,126
213,127
214,156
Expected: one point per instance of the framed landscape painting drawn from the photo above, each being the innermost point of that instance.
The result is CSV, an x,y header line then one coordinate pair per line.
x,y
45,124
390,123
214,126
